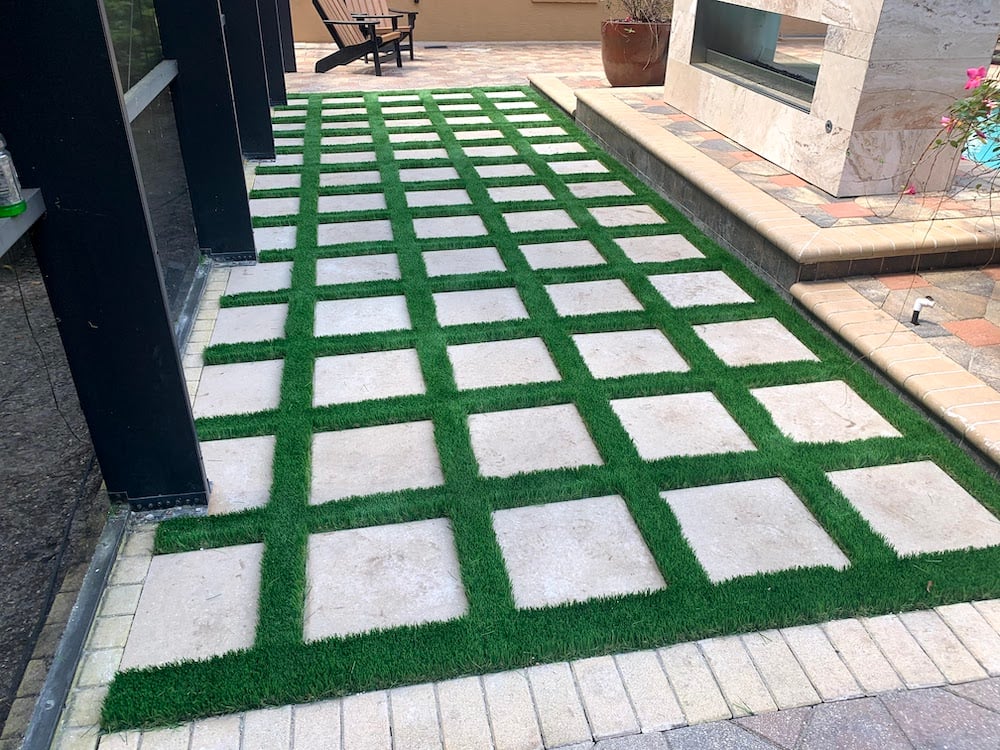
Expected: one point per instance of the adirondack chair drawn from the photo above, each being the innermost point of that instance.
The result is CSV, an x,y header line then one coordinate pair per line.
x,y
380,10
356,37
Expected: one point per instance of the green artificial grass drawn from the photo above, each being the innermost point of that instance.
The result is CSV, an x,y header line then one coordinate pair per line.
x,y
494,635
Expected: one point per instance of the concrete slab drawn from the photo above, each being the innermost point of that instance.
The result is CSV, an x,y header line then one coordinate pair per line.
x,y
753,342
274,238
262,277
366,460
274,206
615,354
569,254
423,198
347,157
699,288
428,174
350,202
240,470
751,527
467,260
487,171
357,268
222,388
624,216
495,363
918,508
578,166
592,297
548,149
584,190
536,439
574,551
344,232
235,325
478,306
658,248
449,226
339,179
277,181
350,378
829,411
520,193
420,153
681,424
195,605
537,221
474,152
361,315
382,577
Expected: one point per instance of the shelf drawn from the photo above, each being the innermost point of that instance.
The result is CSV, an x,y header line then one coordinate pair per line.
x,y
13,228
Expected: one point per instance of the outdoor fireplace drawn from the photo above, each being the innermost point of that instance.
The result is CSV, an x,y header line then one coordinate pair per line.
x,y
857,117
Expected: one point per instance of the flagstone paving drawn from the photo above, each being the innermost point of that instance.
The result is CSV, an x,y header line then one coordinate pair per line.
x,y
601,699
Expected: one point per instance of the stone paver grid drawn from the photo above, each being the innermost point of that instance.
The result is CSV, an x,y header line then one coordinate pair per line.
x,y
593,732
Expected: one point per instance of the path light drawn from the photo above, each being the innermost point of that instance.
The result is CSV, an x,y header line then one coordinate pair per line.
x,y
11,201
918,305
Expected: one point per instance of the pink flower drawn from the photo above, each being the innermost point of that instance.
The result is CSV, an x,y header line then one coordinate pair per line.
x,y
910,190
947,123
975,77
990,104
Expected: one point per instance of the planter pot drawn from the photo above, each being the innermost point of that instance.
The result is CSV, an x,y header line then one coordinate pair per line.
x,y
634,54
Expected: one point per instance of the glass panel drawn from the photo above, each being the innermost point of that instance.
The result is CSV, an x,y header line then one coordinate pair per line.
x,y
162,169
135,38
745,45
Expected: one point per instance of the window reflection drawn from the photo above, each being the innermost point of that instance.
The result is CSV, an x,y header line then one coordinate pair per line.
x,y
135,38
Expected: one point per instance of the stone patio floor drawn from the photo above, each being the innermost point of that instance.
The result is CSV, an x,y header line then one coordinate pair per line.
x,y
919,679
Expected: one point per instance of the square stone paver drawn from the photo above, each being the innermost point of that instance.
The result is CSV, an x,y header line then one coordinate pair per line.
x,y
349,378
273,206
251,323
504,170
539,117
382,577
699,288
407,122
347,157
262,277
478,306
975,332
516,105
599,189
240,470
428,174
592,297
356,268
276,181
520,193
582,166
467,260
562,254
239,388
658,248
475,120
681,424
492,363
752,527
573,551
536,439
366,460
339,179
489,151
342,232
541,132
449,226
621,216
505,95
414,138
351,202
615,354
460,108
918,508
753,342
548,149
195,605
274,238
287,160
535,221
421,153
344,140
421,198
822,412
478,135
363,315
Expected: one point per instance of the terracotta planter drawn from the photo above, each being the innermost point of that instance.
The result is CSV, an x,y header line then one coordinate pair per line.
x,y
634,54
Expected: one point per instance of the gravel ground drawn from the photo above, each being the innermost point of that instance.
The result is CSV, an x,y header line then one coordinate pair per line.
x,y
51,510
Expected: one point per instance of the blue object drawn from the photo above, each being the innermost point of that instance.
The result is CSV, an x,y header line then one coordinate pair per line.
x,y
985,151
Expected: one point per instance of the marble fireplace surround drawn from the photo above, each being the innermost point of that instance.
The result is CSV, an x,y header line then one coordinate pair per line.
x,y
889,70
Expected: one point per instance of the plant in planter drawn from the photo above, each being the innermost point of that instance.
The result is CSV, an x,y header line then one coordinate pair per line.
x,y
634,41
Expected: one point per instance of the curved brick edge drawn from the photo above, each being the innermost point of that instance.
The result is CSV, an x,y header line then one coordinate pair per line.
x,y
965,403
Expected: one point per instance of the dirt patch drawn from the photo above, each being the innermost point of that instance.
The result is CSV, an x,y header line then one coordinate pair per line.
x,y
51,510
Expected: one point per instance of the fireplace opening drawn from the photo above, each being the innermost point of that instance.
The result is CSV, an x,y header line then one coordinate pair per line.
x,y
747,46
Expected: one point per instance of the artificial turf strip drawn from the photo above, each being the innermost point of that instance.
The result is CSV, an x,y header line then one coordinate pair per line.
x,y
494,635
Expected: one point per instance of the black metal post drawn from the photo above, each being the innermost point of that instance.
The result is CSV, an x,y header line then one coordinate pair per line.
x,y
287,36
65,119
191,33
270,33
246,67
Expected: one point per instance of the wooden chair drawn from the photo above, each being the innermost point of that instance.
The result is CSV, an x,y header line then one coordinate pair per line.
x,y
389,20
356,37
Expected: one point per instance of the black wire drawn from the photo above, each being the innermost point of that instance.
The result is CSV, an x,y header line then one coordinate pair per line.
x,y
41,353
